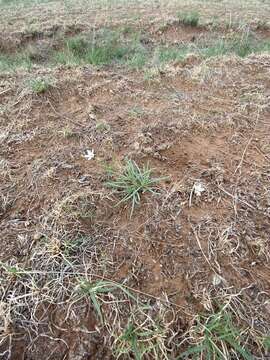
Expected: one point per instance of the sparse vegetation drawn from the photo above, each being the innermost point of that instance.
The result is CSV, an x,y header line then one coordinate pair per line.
x,y
40,85
179,271
136,112
133,182
102,127
67,132
218,338
189,18
111,47
141,340
101,287
13,62
104,48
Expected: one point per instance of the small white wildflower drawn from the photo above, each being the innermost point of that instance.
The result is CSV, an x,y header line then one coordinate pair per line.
x,y
199,189
89,154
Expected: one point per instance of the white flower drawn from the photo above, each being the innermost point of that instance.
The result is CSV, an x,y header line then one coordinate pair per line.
x,y
89,154
199,189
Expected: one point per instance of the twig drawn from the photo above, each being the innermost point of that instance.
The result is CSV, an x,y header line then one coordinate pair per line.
x,y
5,91
200,246
239,166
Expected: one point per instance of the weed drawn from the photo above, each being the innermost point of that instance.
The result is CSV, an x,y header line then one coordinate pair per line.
x,y
133,182
142,337
218,338
138,55
79,209
266,343
151,74
136,112
190,18
133,340
67,133
70,247
102,127
40,85
13,271
93,290
263,25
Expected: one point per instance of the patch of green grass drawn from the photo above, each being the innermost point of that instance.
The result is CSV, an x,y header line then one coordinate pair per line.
x,y
151,74
65,57
136,112
190,18
266,343
218,338
104,48
133,182
103,127
113,47
40,85
12,62
77,45
105,54
241,46
67,132
96,289
139,341
23,3
164,55
71,247
138,59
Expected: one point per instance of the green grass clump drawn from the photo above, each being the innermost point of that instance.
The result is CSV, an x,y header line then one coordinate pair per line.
x,y
165,55
12,62
77,45
218,338
105,54
40,85
137,59
141,341
94,290
240,46
190,18
104,48
132,182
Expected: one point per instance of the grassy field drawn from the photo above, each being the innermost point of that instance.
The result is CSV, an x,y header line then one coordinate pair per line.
x,y
134,180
